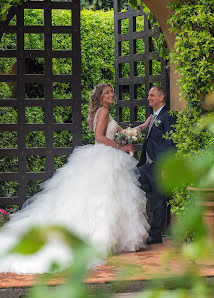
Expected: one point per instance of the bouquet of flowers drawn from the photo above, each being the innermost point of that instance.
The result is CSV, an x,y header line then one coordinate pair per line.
x,y
128,136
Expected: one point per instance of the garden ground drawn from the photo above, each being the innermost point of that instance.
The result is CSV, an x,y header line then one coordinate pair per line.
x,y
149,262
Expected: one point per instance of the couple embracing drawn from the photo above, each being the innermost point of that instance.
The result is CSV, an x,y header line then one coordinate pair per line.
x,y
99,193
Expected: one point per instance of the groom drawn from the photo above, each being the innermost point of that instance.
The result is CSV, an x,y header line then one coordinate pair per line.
x,y
153,146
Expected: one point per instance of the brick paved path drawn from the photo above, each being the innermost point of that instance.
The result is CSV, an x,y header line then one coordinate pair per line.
x,y
147,260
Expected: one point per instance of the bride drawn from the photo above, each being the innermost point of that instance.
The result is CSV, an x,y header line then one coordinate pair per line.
x,y
96,195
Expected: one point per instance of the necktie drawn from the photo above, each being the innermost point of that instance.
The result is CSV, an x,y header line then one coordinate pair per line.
x,y
148,159
154,116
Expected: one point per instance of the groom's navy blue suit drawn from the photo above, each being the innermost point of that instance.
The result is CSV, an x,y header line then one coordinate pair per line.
x,y
155,145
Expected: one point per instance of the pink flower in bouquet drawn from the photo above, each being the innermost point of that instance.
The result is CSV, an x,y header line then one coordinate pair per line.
x,y
128,132
2,211
134,132
128,136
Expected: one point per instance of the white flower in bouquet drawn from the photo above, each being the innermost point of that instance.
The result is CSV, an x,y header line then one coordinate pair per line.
x,y
128,136
128,131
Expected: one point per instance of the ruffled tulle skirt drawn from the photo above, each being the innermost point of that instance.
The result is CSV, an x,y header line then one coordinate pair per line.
x,y
96,195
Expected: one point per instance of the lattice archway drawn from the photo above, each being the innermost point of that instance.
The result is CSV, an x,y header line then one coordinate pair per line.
x,y
18,178
131,90
138,65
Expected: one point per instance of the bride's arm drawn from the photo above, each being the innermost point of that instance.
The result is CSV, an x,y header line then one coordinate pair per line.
x,y
101,126
140,127
144,125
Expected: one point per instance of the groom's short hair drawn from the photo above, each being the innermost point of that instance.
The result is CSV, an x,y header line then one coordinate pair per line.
x,y
162,91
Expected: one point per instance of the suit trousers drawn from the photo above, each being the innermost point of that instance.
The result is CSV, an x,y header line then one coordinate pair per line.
x,y
149,185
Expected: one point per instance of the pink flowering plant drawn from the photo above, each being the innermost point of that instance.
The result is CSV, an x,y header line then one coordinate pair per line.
x,y
4,216
2,211
12,208
5,213
128,136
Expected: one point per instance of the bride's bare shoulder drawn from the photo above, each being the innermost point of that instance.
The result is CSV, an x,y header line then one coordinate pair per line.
x,y
103,114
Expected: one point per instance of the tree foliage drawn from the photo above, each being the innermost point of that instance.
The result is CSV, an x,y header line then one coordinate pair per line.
x,y
101,4
193,24
5,5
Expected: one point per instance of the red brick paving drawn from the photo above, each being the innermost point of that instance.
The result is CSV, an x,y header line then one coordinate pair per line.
x,y
148,262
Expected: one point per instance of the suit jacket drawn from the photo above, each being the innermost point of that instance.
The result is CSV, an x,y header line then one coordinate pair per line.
x,y
155,144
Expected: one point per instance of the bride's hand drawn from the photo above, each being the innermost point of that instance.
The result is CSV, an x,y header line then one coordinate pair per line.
x,y
127,148
147,122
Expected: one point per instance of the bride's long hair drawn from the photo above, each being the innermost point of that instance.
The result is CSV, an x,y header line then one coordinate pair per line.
x,y
95,102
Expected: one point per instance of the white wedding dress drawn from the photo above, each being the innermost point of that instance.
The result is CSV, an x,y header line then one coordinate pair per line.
x,y
96,194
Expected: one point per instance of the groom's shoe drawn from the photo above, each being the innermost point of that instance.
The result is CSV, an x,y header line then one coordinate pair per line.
x,y
153,240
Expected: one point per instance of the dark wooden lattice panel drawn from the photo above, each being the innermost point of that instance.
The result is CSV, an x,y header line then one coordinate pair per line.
x,y
138,65
34,88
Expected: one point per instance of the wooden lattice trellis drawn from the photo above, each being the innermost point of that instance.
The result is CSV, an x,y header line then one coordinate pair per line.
x,y
138,67
23,79
131,90
135,61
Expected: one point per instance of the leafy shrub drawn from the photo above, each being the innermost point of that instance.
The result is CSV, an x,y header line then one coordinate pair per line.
x,y
193,54
192,23
5,90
